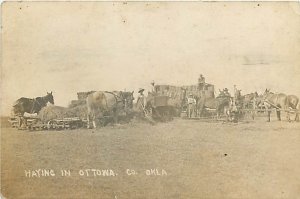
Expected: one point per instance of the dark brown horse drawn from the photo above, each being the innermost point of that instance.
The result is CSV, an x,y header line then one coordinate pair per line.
x,y
248,100
220,104
31,106
100,104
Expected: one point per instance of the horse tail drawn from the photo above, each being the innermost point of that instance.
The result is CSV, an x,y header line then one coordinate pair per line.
x,y
17,110
298,105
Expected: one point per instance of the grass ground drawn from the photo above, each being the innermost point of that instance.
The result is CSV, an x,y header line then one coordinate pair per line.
x,y
202,160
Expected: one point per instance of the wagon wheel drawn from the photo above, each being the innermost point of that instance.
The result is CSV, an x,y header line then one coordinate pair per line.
x,y
74,125
51,125
148,112
165,114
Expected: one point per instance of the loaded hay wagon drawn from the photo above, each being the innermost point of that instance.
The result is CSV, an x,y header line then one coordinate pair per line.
x,y
167,101
164,103
208,92
51,119
55,117
201,104
158,108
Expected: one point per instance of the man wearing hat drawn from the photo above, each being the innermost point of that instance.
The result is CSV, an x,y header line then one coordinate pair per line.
x,y
141,100
226,92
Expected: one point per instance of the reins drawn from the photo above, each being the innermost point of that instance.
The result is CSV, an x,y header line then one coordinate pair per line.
x,y
118,98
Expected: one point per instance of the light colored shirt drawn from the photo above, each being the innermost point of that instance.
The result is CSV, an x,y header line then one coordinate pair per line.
x,y
191,100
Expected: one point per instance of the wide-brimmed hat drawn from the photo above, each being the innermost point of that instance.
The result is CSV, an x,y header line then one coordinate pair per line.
x,y
141,90
225,89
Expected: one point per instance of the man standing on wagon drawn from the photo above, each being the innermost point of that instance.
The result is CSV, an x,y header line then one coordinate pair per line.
x,y
201,82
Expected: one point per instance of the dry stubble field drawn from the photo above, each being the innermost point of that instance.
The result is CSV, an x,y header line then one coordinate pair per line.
x,y
201,159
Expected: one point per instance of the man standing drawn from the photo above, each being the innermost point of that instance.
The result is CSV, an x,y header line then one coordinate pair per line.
x,y
141,100
153,86
191,105
201,82
235,91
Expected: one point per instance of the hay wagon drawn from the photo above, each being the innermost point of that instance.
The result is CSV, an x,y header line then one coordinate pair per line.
x,y
14,121
32,123
66,123
207,92
164,103
159,108
35,123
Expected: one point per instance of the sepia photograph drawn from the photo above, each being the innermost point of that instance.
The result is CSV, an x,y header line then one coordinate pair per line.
x,y
150,100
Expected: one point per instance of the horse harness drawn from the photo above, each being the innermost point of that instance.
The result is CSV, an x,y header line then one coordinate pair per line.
x,y
34,102
117,97
266,100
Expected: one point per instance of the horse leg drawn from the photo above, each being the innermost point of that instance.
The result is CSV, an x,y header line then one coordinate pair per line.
x,y
218,115
88,122
268,111
89,119
288,118
297,117
115,116
226,113
20,121
278,115
269,116
95,116
297,111
200,111
94,122
25,122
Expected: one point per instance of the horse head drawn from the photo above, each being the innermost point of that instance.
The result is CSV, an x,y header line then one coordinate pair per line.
x,y
267,93
49,98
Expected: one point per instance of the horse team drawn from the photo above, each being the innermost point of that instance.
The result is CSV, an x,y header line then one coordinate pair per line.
x,y
281,102
103,103
227,105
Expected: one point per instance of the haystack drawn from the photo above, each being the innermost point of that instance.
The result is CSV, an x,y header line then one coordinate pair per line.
x,y
58,112
78,111
75,103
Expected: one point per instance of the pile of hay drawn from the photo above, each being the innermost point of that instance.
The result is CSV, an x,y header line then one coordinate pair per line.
x,y
78,111
58,112
75,103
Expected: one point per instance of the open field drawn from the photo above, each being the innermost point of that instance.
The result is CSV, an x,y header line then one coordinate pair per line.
x,y
202,160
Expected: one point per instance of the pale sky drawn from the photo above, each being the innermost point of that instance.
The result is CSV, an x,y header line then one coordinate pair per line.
x,y
69,47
